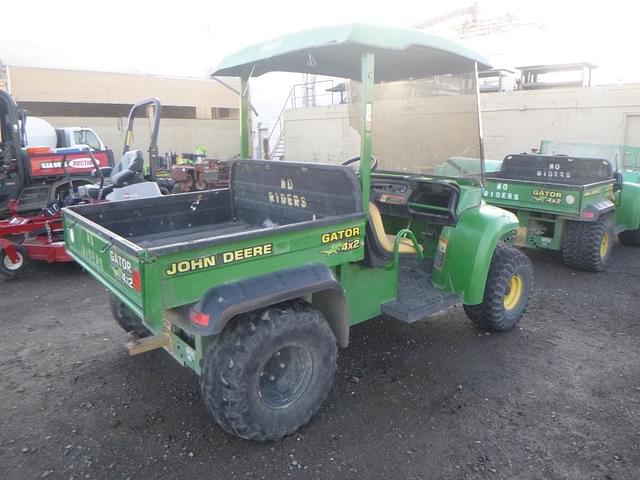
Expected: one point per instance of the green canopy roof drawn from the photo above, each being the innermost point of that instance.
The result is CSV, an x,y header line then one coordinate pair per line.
x,y
401,53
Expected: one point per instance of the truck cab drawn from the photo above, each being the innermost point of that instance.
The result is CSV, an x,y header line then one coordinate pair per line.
x,y
73,137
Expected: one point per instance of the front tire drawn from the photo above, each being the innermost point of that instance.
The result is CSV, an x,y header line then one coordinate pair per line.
x,y
10,269
587,245
268,372
506,295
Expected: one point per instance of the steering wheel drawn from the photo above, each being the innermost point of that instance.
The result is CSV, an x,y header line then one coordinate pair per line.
x,y
352,160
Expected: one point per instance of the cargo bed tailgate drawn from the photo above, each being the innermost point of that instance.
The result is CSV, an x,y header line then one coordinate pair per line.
x,y
114,261
516,194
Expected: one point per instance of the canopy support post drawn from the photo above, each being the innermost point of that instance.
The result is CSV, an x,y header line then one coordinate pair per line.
x,y
367,66
480,132
245,119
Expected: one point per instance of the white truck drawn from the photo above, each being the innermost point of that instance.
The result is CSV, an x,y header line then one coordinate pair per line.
x,y
40,133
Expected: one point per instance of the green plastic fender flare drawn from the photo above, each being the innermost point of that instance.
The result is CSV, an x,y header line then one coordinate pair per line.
x,y
628,207
468,249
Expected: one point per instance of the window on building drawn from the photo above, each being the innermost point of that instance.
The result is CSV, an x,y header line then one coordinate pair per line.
x,y
222,113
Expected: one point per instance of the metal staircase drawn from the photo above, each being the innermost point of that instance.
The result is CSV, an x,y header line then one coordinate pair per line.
x,y
276,138
277,153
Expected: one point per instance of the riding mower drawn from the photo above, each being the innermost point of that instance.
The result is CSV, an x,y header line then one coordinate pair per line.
x,y
40,237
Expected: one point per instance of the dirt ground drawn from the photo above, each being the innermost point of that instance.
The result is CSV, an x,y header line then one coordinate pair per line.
x,y
558,398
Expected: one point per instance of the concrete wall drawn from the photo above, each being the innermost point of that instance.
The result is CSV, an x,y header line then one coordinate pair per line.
x,y
320,134
513,122
517,121
95,90
221,138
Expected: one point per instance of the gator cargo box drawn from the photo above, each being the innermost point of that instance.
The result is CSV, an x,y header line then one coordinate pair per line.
x,y
163,252
557,184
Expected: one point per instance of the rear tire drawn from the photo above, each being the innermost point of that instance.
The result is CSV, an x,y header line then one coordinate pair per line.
x,y
9,269
269,371
127,320
506,295
630,238
587,245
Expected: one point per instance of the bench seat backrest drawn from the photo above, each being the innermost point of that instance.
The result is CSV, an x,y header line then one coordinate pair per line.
x,y
555,169
270,193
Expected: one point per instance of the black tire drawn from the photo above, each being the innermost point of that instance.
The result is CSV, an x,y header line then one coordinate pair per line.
x,y
630,238
269,371
499,311
9,269
127,320
581,246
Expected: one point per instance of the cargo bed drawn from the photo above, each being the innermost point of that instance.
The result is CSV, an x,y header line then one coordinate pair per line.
x,y
558,185
144,250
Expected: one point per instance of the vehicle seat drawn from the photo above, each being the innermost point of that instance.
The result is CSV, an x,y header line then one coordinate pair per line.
x,y
131,164
93,190
132,160
385,240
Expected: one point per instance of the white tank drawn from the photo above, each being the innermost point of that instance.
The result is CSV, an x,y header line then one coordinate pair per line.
x,y
40,133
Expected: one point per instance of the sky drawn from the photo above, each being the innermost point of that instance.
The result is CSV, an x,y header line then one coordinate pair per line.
x,y
188,38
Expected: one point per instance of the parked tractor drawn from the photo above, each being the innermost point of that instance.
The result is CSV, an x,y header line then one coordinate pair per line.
x,y
254,286
197,173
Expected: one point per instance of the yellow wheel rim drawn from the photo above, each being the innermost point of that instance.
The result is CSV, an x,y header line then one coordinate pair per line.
x,y
604,245
514,292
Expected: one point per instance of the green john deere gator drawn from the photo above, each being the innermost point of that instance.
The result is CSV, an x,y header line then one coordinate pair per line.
x,y
254,287
568,203
626,159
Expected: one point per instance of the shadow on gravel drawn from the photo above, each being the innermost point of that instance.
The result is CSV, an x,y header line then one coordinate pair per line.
x,y
556,398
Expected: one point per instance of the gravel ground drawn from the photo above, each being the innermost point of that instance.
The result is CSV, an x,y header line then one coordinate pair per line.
x,y
557,398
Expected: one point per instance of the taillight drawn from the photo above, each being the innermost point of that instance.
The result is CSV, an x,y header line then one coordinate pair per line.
x,y
137,281
199,318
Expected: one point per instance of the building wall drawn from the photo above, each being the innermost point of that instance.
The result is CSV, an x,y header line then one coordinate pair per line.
x,y
42,84
320,134
513,122
196,112
221,138
517,121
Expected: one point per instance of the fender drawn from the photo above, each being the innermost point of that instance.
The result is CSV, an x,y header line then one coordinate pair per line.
x,y
628,209
593,211
468,250
220,304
